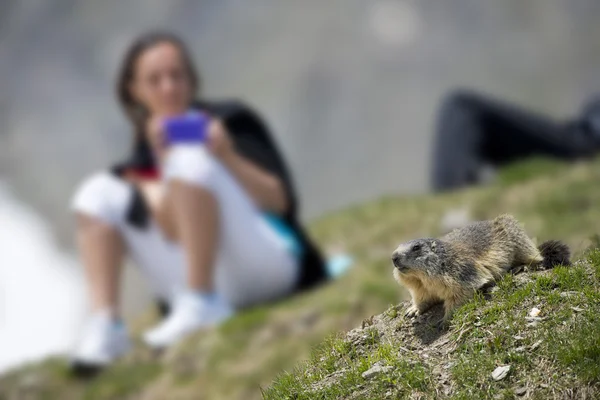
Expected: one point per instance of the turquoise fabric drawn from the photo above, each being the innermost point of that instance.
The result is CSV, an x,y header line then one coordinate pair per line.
x,y
286,232
337,265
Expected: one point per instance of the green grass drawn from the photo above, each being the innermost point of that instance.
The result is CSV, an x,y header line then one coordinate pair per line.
x,y
335,371
256,348
573,349
562,352
516,173
122,380
582,352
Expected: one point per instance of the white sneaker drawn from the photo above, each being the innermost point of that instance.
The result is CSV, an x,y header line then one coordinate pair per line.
x,y
190,313
104,340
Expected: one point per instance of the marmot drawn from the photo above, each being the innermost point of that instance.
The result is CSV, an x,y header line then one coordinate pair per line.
x,y
450,269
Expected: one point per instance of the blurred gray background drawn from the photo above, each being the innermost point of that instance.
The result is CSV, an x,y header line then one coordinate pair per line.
x,y
350,87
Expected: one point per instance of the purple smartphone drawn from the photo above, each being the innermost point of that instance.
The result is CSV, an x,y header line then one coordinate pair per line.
x,y
186,129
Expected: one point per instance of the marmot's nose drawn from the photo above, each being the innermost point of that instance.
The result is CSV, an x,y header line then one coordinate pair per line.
x,y
396,258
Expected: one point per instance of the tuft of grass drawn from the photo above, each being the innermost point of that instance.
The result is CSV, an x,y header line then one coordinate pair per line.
x,y
580,350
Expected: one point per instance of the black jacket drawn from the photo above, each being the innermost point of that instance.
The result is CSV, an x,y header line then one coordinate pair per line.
x,y
253,140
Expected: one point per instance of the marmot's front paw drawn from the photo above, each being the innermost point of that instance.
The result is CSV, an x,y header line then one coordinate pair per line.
x,y
412,311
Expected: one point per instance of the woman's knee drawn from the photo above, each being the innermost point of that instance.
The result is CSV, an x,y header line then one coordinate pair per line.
x,y
194,165
103,196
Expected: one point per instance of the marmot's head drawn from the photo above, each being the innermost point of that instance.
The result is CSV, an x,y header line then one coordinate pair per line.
x,y
420,255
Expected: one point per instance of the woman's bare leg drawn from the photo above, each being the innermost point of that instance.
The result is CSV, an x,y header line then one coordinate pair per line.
x,y
196,215
101,249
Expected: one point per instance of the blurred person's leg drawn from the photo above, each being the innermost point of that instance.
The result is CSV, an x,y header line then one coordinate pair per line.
x,y
234,257
474,131
101,204
106,199
455,158
196,216
101,249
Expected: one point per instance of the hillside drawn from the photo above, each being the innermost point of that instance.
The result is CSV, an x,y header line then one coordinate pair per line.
x,y
535,336
248,352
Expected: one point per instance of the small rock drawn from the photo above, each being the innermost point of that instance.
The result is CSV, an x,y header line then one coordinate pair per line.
x,y
568,294
536,345
534,312
533,319
500,372
376,370
441,343
356,336
577,309
517,337
520,349
353,333
544,385
522,391
449,365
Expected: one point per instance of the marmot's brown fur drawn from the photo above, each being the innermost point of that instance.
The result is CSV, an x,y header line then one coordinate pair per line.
x,y
450,269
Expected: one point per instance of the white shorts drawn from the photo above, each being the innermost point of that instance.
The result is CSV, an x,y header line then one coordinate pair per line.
x,y
253,261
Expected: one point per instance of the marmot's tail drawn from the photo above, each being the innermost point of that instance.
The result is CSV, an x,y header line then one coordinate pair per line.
x,y
555,253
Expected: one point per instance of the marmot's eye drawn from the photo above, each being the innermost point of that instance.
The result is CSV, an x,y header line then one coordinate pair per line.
x,y
416,247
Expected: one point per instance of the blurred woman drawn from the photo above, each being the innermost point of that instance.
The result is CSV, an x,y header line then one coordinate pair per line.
x,y
213,227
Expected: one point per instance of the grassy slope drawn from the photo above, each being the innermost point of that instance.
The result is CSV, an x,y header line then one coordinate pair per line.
x,y
555,356
250,350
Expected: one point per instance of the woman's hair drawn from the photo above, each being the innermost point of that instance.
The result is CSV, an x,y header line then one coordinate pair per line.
x,y
135,111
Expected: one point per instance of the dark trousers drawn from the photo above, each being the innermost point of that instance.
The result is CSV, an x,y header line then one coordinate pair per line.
x,y
474,130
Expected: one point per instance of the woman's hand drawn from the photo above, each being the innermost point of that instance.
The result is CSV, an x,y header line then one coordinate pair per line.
x,y
219,142
264,188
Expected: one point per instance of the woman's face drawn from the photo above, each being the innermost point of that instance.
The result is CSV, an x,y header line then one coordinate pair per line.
x,y
160,80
